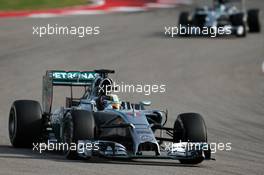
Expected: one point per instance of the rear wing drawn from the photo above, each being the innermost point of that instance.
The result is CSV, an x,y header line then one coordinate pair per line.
x,y
242,2
63,78
71,78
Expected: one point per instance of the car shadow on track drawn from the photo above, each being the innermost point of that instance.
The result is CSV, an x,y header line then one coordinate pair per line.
x,y
167,163
8,152
162,35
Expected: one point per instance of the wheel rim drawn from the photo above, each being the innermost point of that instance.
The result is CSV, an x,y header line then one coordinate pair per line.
x,y
240,30
12,124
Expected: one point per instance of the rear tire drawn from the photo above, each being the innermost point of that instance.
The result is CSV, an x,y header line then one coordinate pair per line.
x,y
184,22
79,125
199,20
253,21
184,19
190,127
25,123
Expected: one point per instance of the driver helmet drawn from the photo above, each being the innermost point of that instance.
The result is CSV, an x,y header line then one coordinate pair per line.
x,y
112,102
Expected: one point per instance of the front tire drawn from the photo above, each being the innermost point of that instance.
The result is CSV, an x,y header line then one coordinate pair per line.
x,y
190,127
25,123
78,125
238,22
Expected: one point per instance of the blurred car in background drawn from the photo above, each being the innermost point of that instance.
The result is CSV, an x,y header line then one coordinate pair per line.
x,y
229,14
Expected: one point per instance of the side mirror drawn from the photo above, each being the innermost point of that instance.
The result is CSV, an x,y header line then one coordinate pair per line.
x,y
145,103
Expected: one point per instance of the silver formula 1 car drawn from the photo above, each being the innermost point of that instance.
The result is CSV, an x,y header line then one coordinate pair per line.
x,y
99,124
231,15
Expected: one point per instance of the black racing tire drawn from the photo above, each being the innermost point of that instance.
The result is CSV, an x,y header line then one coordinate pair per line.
x,y
253,21
190,127
25,123
184,19
78,125
237,20
199,20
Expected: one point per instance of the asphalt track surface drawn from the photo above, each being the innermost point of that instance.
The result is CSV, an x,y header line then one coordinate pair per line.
x,y
220,78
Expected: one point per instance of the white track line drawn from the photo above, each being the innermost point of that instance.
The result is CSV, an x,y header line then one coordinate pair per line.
x,y
126,9
43,15
159,5
84,12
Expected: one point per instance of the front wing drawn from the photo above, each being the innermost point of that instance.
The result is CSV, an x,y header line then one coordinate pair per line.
x,y
176,151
